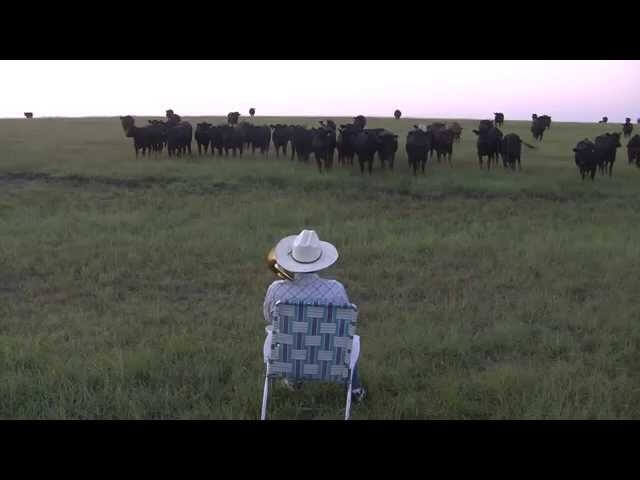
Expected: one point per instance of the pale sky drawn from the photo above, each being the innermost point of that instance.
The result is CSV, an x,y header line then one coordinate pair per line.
x,y
581,91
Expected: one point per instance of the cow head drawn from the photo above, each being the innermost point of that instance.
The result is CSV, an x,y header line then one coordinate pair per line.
x,y
127,123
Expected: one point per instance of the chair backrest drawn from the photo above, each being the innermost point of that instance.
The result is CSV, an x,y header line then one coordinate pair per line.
x,y
312,341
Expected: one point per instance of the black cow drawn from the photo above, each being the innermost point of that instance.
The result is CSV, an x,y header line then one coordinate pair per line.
x,y
546,121
232,139
252,112
498,119
457,131
323,145
387,147
586,159
179,136
203,137
443,143
511,150
537,128
367,143
606,147
604,120
281,136
217,140
346,143
633,150
397,114
418,146
143,137
232,118
260,138
28,114
160,130
301,143
488,143
360,122
627,128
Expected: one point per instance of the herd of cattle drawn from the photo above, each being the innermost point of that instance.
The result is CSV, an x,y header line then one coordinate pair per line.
x,y
354,140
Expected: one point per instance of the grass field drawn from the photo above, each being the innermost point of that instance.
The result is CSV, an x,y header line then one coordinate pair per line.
x,y
133,288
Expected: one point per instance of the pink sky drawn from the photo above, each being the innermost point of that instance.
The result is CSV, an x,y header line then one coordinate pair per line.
x,y
570,90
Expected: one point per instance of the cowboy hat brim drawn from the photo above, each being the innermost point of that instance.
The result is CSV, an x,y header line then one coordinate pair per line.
x,y
285,260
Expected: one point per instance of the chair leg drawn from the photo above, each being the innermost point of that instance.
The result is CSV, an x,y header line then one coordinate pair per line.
x,y
265,396
347,410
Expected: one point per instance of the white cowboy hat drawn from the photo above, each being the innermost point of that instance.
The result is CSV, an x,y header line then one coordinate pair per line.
x,y
305,253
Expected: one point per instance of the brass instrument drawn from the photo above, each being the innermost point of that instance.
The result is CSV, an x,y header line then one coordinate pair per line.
x,y
275,268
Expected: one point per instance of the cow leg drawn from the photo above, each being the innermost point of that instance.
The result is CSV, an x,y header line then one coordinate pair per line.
x,y
361,162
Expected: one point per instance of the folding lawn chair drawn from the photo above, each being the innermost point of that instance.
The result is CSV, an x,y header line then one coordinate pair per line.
x,y
311,342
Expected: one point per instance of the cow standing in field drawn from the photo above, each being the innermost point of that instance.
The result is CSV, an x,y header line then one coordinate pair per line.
x,y
179,135
387,147
346,143
457,131
488,143
546,121
232,118
203,137
417,147
143,137
397,114
537,128
260,138
160,134
606,147
498,119
301,143
323,145
627,128
511,150
633,150
443,143
28,114
586,158
281,136
366,146
232,138
604,120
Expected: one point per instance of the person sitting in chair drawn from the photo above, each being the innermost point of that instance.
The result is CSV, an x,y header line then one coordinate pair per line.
x,y
304,255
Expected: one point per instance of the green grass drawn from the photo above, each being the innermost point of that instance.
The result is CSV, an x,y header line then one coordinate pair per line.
x,y
482,295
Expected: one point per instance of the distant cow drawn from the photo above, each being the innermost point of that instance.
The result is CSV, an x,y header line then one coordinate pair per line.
x,y
511,150
232,118
488,143
537,128
417,147
627,128
633,150
252,112
281,136
28,114
604,120
203,137
585,158
457,131
606,147
397,114
546,121
498,118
